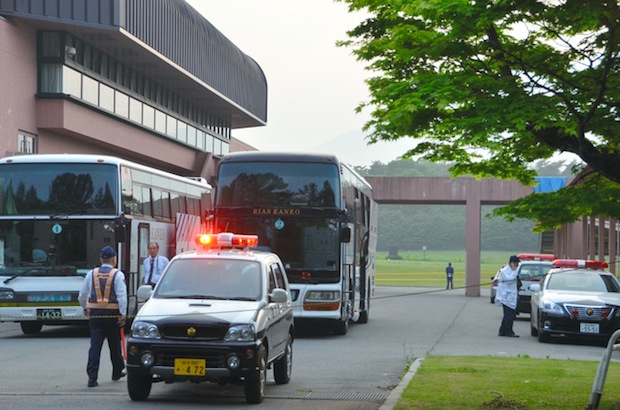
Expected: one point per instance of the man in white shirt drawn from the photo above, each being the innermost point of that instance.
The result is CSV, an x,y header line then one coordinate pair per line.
x,y
154,265
507,294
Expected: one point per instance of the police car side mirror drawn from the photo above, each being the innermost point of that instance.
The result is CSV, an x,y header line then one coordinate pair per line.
x,y
144,292
535,287
278,296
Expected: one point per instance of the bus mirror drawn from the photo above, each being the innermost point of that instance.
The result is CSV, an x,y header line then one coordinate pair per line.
x,y
345,234
120,235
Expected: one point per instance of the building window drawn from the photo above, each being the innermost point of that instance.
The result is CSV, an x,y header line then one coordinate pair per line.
x,y
26,143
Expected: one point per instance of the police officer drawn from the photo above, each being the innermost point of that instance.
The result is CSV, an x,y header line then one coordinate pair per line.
x,y
104,298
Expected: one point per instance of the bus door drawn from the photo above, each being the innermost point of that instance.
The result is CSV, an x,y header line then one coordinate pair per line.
x,y
139,246
348,271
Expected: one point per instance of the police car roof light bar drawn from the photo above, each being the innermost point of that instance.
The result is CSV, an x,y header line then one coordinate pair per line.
x,y
536,257
227,240
580,263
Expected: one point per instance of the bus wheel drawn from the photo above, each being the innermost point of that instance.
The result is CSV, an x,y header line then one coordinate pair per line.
x,y
31,328
254,386
364,315
139,386
341,327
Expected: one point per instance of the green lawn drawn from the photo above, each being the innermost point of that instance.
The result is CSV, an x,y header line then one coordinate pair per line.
x,y
464,382
417,268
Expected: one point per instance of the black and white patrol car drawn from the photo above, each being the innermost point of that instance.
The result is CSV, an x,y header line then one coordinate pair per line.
x,y
218,315
577,298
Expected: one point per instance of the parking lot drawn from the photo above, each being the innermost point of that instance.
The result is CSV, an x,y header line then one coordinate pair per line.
x,y
356,371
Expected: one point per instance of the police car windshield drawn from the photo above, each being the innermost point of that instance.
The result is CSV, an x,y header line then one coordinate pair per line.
x,y
580,281
225,279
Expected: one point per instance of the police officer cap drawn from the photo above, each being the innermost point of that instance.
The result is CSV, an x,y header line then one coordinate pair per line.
x,y
108,252
514,259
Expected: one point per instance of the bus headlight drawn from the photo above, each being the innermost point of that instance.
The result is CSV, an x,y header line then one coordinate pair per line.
x,y
240,333
322,300
7,294
145,330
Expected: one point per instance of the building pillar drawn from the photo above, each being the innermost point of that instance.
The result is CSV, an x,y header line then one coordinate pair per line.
x,y
592,238
472,240
612,245
601,238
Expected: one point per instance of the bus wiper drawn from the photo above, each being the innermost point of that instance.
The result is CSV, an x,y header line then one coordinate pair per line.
x,y
61,270
22,273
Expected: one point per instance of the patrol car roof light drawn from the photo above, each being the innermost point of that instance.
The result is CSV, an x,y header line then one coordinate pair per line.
x,y
580,263
536,257
227,240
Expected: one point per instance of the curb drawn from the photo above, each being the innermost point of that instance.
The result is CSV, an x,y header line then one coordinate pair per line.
x,y
397,392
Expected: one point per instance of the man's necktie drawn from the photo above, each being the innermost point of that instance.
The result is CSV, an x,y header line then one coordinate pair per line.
x,y
151,273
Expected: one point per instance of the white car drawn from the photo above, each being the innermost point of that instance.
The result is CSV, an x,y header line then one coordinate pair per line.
x,y
532,269
216,315
579,299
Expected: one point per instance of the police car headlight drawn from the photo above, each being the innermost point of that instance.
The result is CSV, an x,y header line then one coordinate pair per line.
x,y
240,333
145,330
7,294
552,307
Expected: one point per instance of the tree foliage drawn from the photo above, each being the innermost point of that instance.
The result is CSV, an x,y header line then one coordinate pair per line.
x,y
492,86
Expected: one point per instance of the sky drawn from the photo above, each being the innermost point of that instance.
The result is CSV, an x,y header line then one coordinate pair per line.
x,y
314,86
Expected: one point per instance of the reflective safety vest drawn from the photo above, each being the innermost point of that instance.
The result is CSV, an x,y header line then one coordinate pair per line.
x,y
102,293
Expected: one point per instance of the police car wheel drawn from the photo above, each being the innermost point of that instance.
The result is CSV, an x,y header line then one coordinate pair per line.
x,y
139,386
254,386
283,367
543,337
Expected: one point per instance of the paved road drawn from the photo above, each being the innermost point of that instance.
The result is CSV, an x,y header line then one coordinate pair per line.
x,y
357,371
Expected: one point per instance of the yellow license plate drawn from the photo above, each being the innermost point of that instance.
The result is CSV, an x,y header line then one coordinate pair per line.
x,y
190,367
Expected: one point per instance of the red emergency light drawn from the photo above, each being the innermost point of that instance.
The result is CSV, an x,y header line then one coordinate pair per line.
x,y
580,263
227,240
536,257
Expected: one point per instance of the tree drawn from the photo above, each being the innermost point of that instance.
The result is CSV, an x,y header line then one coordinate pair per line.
x,y
495,85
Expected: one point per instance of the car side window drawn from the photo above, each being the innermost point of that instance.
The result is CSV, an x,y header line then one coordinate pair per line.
x,y
279,276
272,281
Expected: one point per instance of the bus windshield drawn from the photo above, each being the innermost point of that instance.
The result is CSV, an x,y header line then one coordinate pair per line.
x,y
280,184
58,189
38,247
308,247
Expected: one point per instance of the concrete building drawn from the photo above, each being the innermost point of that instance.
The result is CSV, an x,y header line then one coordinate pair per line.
x,y
150,81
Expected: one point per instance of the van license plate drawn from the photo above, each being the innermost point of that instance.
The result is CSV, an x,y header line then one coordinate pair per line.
x,y
190,367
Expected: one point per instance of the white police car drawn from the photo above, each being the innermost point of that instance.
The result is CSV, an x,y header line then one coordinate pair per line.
x,y
220,315
578,298
532,269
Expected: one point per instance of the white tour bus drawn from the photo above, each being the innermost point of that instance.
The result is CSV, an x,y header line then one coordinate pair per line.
x,y
58,211
318,215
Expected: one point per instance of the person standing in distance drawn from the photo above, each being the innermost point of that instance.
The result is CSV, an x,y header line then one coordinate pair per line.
x,y
104,298
154,265
507,294
450,276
